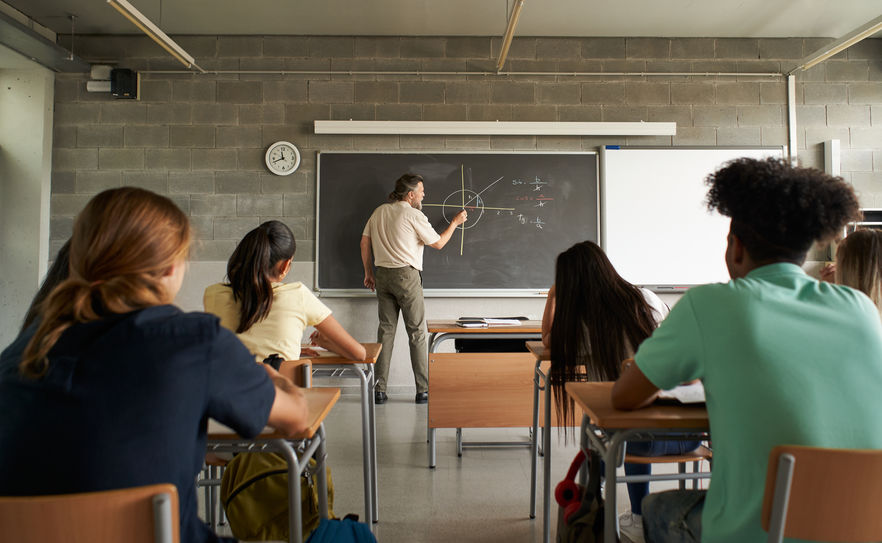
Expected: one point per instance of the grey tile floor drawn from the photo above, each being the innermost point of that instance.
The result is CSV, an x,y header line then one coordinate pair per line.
x,y
482,496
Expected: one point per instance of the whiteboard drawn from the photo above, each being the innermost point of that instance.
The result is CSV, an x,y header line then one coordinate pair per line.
x,y
655,226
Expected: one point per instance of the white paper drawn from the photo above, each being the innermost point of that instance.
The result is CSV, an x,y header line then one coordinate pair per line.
x,y
693,393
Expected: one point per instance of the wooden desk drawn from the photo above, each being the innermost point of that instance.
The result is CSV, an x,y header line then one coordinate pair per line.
x,y
478,390
608,428
332,364
311,442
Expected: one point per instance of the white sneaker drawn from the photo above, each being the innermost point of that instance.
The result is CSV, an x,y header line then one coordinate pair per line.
x,y
631,526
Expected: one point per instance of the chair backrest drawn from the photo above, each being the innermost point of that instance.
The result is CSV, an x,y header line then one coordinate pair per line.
x,y
823,494
144,514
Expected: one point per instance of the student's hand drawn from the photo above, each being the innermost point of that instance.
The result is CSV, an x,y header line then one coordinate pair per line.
x,y
307,352
369,282
460,217
828,273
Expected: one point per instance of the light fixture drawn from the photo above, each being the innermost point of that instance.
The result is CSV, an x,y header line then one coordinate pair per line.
x,y
840,45
497,128
157,35
509,33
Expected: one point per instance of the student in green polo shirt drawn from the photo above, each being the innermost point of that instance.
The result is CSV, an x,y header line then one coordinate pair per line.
x,y
784,358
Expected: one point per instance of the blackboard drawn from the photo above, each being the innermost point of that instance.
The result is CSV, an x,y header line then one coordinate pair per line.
x,y
655,225
524,209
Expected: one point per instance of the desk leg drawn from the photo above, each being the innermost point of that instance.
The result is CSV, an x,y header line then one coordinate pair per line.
x,y
534,445
583,442
459,442
373,427
295,520
366,444
431,448
610,514
322,475
546,460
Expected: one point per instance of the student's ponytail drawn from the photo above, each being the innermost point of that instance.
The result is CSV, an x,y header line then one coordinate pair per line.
x,y
251,269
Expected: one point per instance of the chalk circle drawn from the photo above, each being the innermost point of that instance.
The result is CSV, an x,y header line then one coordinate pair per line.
x,y
474,204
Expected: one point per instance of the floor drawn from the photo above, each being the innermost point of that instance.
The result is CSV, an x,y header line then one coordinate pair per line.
x,y
482,496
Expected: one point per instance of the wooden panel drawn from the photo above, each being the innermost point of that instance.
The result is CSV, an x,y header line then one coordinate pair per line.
x,y
482,390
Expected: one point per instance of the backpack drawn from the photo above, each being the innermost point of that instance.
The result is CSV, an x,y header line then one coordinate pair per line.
x,y
342,531
581,519
254,492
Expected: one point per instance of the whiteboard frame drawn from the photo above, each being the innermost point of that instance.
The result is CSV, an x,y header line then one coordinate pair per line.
x,y
440,292
674,287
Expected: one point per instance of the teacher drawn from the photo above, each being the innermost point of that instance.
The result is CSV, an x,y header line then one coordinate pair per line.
x,y
396,233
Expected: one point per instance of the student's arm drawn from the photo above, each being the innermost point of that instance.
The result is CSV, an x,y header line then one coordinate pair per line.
x,y
548,318
633,390
367,262
289,413
458,219
332,336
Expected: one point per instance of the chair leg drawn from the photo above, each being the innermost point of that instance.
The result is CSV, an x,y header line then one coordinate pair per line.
x,y
681,467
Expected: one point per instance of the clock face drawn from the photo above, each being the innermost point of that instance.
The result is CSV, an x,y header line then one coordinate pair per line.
x,y
282,158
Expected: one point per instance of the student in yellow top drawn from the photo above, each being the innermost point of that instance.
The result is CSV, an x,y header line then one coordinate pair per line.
x,y
267,315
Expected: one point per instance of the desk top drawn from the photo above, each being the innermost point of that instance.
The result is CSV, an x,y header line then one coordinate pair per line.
x,y
320,402
327,358
539,350
595,400
450,327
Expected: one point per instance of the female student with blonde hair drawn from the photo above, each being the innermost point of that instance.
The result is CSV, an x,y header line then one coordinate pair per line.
x,y
267,315
859,263
120,379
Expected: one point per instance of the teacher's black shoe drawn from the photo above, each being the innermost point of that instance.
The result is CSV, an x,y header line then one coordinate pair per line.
x,y
422,397
380,397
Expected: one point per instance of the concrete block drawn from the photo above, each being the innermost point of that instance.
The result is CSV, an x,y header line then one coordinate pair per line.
x,y
422,47
61,228
625,113
253,159
815,136
147,136
816,93
867,183
490,113
526,143
95,181
695,93
63,182
857,160
249,205
239,92
737,48
377,47
692,48
121,159
169,113
67,87
152,181
615,66
238,136
357,112
398,112
468,47
781,48
96,135
876,115
558,48
534,113
215,114
124,111
212,159
376,92
201,227
603,47
167,159
191,182
285,46
297,113
64,136
773,135
468,92
560,94
445,112
649,141
558,143
182,201
67,204
737,93
430,143
644,48
467,143
713,67
212,250
865,93
739,136
305,247
330,142
773,93
240,46
851,70
682,115
580,113
698,135
74,159
866,138
505,92
647,93
852,116
261,114
761,115
811,116
421,93
215,205
877,159
201,47
295,183
153,90
299,205
192,136
754,66
669,66
330,92
723,116
868,49
201,90
331,46
377,142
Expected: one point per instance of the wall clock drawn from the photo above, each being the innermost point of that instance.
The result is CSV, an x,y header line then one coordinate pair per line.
x,y
282,158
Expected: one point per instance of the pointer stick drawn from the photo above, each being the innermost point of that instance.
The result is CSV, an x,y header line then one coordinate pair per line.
x,y
462,226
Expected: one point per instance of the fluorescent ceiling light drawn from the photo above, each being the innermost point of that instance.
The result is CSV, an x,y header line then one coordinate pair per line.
x,y
496,128
509,33
154,32
840,45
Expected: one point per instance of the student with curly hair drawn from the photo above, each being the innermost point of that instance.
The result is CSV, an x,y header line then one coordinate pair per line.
x,y
784,358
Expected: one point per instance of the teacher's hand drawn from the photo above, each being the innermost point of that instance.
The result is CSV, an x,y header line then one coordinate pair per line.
x,y
369,282
460,217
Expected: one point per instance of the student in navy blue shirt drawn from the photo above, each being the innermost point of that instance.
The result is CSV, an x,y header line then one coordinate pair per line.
x,y
111,386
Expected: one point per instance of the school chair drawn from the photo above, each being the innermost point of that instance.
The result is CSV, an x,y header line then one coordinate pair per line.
x,y
823,494
210,479
682,460
144,514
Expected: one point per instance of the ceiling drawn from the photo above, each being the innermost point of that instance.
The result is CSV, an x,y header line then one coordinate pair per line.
x,y
649,18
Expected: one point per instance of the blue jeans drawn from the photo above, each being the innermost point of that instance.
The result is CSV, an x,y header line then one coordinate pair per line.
x,y
673,516
661,447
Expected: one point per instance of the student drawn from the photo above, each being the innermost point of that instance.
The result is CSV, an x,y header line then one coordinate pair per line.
x,y
113,388
267,315
56,274
859,263
597,320
784,358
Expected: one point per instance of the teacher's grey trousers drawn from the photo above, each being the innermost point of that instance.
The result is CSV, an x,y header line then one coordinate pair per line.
x,y
401,289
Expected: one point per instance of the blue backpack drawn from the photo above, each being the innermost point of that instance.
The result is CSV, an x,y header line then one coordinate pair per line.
x,y
342,531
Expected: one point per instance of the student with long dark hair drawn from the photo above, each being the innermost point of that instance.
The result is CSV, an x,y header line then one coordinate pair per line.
x,y
121,380
267,315
593,321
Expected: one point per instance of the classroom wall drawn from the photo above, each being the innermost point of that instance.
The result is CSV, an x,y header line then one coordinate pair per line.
x,y
201,138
